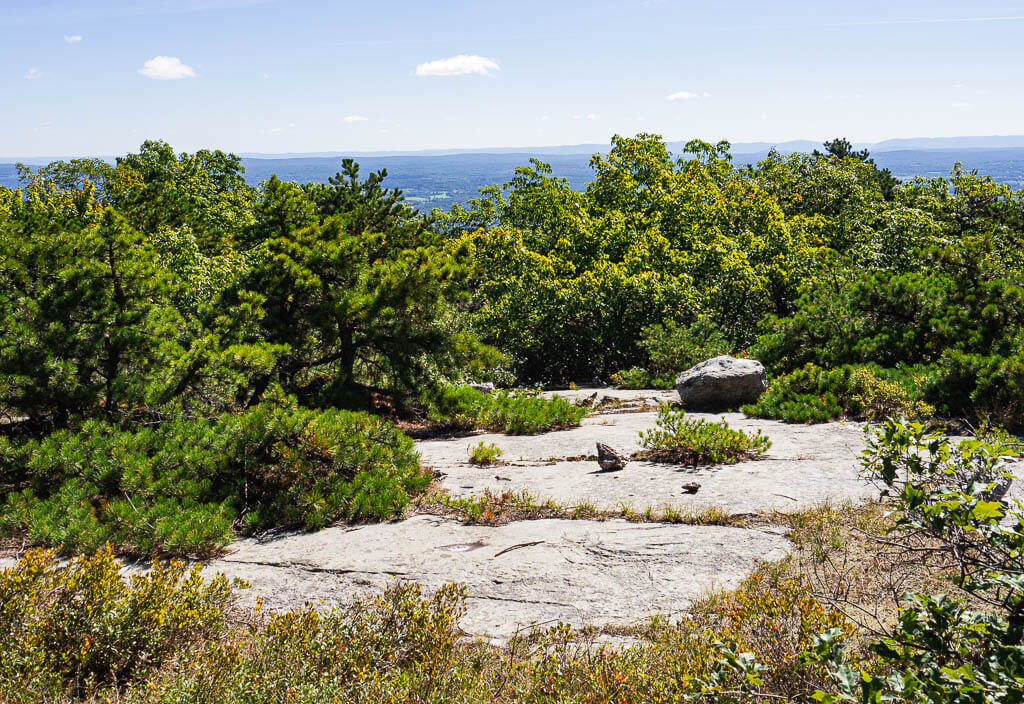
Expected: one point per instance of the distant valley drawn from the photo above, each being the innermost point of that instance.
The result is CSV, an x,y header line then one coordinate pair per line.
x,y
439,180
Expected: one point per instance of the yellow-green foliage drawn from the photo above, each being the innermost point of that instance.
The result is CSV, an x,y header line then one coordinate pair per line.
x,y
485,454
681,440
880,398
83,634
815,395
77,627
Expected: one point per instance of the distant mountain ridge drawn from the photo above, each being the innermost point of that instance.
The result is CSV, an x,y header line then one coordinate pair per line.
x,y
676,146
441,180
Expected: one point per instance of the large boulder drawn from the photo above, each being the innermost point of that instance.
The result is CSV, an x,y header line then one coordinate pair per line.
x,y
720,383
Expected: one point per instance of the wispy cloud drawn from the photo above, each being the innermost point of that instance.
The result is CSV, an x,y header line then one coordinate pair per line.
x,y
458,66
686,95
72,38
166,68
350,119
592,116
962,106
33,74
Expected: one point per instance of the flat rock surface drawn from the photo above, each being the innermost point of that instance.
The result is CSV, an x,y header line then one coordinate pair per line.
x,y
517,575
594,572
806,464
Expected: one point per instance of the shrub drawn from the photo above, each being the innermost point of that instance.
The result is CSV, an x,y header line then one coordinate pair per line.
x,y
950,513
815,395
180,487
485,454
879,398
516,413
674,348
638,378
682,440
973,385
71,628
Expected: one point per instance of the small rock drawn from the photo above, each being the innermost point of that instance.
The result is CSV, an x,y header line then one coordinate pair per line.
x,y
596,381
720,383
608,459
691,488
484,388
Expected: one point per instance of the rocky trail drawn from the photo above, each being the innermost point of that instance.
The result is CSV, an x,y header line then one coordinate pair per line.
x,y
537,572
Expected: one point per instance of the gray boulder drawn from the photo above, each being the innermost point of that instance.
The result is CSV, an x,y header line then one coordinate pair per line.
x,y
720,383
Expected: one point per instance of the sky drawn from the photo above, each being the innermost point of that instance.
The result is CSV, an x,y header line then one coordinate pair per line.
x,y
275,76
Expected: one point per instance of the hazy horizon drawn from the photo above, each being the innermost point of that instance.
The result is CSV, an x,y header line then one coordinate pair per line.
x,y
264,76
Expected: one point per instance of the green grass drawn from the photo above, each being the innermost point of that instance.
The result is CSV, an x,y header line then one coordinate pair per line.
x,y
681,440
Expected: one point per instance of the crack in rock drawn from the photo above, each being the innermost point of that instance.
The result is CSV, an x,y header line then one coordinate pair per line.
x,y
313,568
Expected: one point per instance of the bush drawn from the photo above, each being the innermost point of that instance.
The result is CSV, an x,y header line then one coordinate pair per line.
x,y
516,413
75,627
181,487
975,386
638,378
950,512
815,395
682,440
485,454
84,634
674,348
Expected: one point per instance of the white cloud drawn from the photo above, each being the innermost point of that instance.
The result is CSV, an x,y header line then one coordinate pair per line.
x,y
266,76
166,68
33,74
686,95
349,119
958,86
72,38
592,116
962,106
457,66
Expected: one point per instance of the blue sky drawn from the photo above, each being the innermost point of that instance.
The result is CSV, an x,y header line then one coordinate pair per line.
x,y
98,77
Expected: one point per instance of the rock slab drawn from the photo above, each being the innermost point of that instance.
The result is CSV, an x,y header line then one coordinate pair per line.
x,y
518,575
721,383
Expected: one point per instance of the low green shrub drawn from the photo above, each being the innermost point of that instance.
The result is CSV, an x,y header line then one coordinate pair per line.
x,y
185,486
485,454
516,413
815,395
674,348
638,378
681,440
73,628
976,386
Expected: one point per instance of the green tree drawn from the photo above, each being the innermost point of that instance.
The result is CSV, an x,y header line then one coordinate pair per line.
x,y
84,307
354,289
